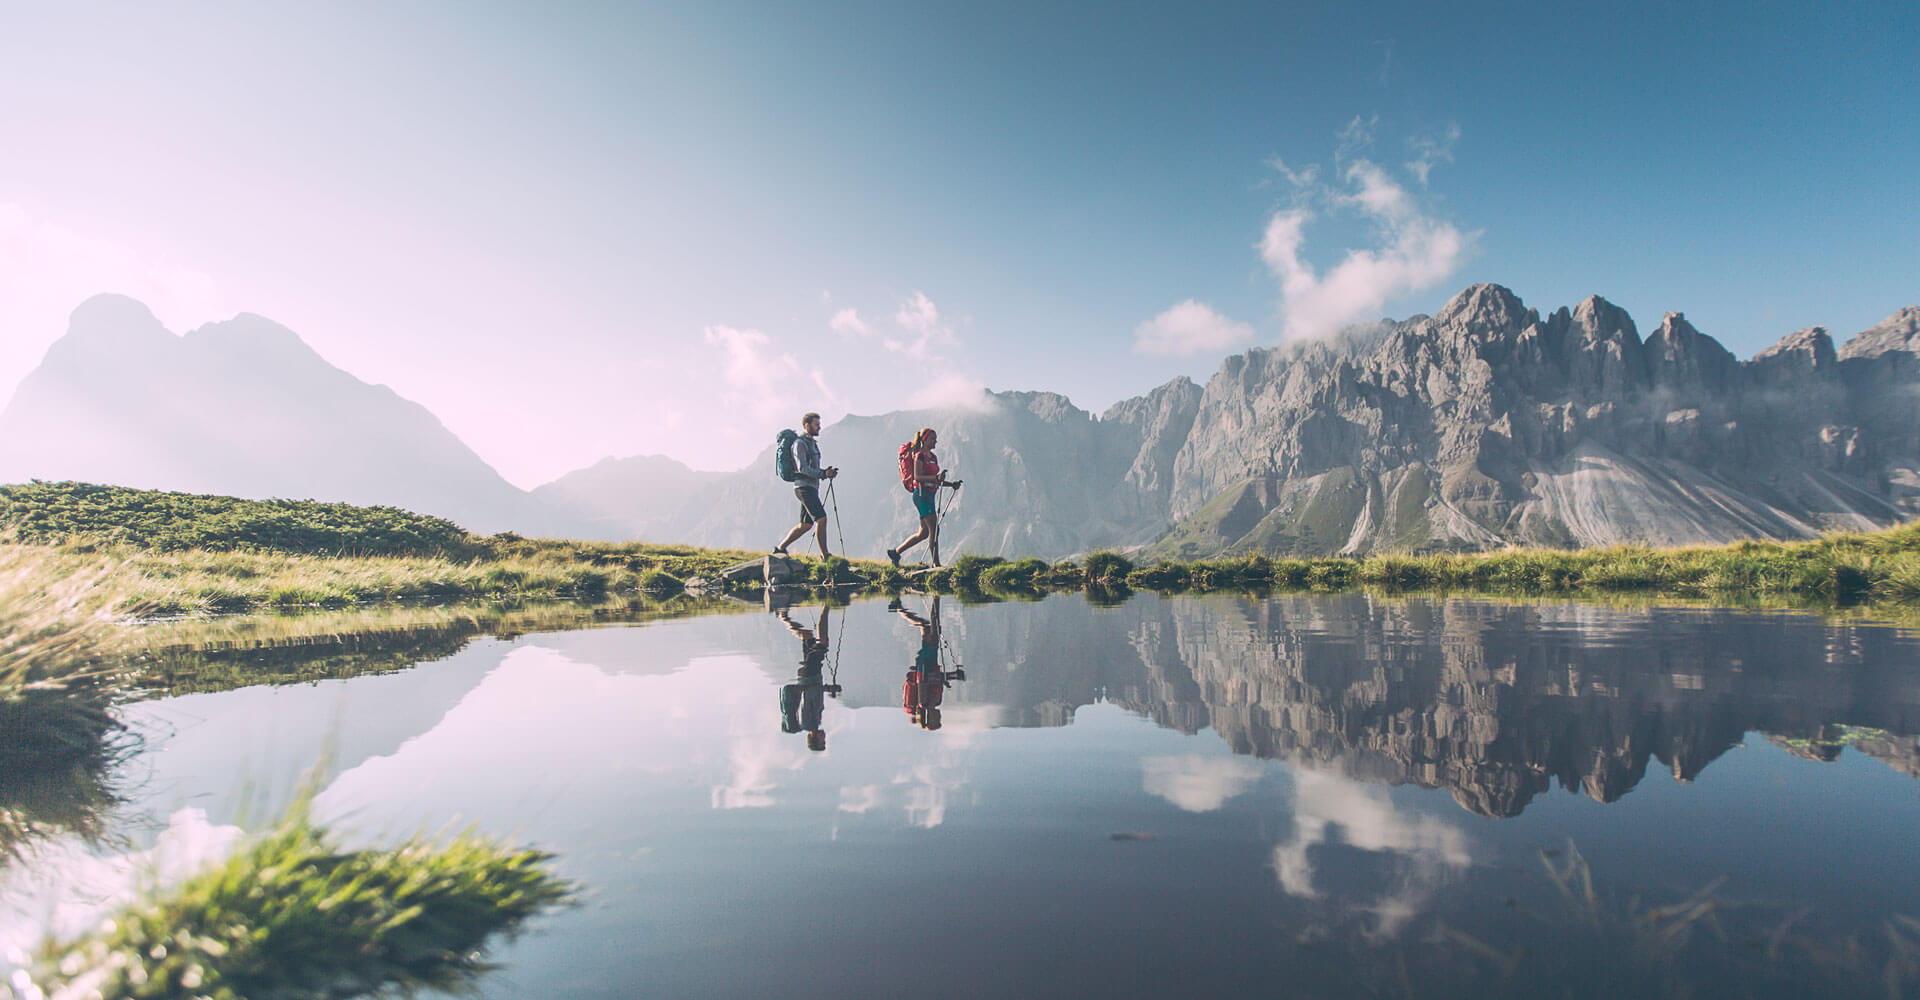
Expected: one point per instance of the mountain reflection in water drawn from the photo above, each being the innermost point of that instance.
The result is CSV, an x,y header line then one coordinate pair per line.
x,y
1492,702
1209,794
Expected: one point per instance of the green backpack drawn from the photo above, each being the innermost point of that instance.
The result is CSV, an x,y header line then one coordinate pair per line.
x,y
783,463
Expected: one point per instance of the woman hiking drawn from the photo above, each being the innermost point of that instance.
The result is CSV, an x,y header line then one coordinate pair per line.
x,y
920,474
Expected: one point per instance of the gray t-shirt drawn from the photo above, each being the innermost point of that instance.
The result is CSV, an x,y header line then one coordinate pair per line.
x,y
806,462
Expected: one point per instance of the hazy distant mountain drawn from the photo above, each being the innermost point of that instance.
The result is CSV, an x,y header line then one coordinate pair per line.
x,y
1042,478
242,407
619,499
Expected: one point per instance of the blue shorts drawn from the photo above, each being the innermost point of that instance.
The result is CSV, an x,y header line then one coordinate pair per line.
x,y
923,502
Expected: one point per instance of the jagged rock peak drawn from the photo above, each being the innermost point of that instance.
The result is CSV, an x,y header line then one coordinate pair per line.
x,y
1679,352
1602,320
1811,346
1674,332
1898,332
1485,306
1042,404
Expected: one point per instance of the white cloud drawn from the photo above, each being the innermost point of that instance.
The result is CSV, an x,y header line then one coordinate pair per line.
x,y
925,332
859,798
918,313
765,382
1196,783
62,888
951,391
1189,328
752,362
756,760
848,321
1376,194
1415,249
1419,852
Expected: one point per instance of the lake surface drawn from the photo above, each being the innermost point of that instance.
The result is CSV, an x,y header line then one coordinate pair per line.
x,y
1295,796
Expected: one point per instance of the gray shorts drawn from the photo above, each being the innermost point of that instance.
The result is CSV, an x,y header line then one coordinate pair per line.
x,y
811,509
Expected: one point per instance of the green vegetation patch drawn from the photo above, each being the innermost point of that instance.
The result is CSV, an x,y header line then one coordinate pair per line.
x,y
1315,523
292,915
43,513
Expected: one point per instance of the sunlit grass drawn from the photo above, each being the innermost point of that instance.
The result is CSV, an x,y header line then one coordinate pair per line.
x,y
293,915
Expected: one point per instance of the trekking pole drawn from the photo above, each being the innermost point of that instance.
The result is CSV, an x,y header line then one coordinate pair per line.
x,y
940,517
837,531
833,669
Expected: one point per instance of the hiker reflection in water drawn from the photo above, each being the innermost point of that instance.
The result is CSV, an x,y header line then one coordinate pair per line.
x,y
926,681
920,474
803,700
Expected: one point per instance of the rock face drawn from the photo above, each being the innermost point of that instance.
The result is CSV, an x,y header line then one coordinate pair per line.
x,y
1487,424
244,408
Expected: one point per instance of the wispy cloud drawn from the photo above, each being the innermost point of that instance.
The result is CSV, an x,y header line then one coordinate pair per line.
x,y
848,321
950,391
1416,853
924,331
1356,137
1414,248
1430,151
917,346
916,330
1198,783
752,361
1191,327
765,381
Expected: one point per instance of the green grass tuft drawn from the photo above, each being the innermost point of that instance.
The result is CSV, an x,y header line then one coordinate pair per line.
x,y
292,915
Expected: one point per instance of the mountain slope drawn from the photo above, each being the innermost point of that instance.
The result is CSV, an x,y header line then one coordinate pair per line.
x,y
620,499
243,408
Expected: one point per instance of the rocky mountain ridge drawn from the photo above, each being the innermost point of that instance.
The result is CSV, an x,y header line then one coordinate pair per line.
x,y
1487,424
1482,425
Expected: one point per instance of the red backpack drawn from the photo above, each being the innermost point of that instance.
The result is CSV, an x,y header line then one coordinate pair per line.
x,y
909,460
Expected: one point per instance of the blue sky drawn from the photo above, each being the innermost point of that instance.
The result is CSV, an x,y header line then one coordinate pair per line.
x,y
578,230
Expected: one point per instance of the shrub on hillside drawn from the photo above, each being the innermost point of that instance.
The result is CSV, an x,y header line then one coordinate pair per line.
x,y
83,513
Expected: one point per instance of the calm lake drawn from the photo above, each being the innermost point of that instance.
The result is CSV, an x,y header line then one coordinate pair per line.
x,y
1290,796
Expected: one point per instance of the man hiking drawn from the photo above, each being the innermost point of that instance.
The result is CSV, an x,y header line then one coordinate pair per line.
x,y
920,474
807,474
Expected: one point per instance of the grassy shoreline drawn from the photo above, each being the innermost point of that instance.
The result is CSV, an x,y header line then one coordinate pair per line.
x,y
150,554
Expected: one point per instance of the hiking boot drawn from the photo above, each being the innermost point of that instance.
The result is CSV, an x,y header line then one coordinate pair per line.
x,y
893,556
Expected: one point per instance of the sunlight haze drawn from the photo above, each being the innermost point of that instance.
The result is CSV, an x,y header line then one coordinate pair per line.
x,y
579,230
